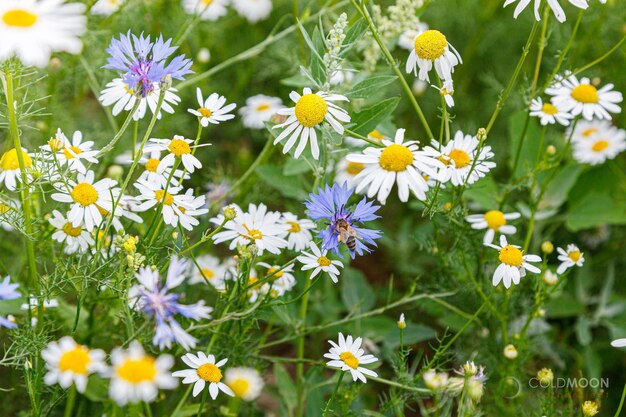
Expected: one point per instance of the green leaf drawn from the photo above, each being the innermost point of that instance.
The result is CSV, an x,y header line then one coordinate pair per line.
x,y
594,210
296,166
288,186
354,34
583,332
97,389
530,145
564,306
355,291
370,86
286,386
385,330
484,192
367,120
560,186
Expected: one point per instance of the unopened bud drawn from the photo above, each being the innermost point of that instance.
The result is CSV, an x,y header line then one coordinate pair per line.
x,y
547,247
550,150
590,408
481,134
401,322
510,352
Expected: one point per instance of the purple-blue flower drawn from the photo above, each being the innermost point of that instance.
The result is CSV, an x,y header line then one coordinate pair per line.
x,y
155,299
143,63
331,205
8,292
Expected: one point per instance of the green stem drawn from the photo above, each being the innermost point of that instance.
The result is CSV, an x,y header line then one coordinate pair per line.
x,y
300,347
398,385
621,403
202,402
71,400
332,397
146,406
366,139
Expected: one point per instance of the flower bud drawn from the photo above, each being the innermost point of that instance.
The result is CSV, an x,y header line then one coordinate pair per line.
x,y
475,389
550,278
401,322
590,408
510,352
115,172
550,150
545,376
481,134
547,247
230,213
203,56
469,369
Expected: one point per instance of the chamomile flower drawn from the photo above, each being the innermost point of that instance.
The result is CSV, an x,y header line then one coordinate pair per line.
x,y
554,5
210,269
178,147
137,376
69,363
212,110
206,9
548,113
106,7
595,144
246,383
74,152
253,10
569,257
123,98
514,263
86,198
319,262
406,40
32,30
397,162
431,48
256,226
309,112
76,238
151,162
447,92
580,97
494,221
8,291
346,171
125,207
10,172
348,355
280,280
462,164
299,233
258,110
204,370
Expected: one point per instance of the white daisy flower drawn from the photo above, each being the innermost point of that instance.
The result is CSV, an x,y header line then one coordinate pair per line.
x,y
246,383
398,162
406,40
572,256
253,10
598,142
125,207
435,380
123,98
32,30
447,92
211,270
257,226
319,262
74,152
346,172
458,157
514,263
310,111
137,376
178,147
299,234
349,356
494,221
10,172
203,370
151,161
10,213
212,110
548,113
86,199
280,280
206,9
554,5
258,110
69,363
106,7
432,48
75,238
583,98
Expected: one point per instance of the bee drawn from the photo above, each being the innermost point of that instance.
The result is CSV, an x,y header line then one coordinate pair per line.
x,y
346,234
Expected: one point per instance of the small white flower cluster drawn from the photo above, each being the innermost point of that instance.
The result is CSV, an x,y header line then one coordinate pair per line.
x,y
334,41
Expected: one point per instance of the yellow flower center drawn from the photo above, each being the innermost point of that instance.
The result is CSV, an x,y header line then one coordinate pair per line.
x,y
253,234
129,90
276,275
152,164
137,371
205,112
207,2
430,45
84,194
588,132
10,162
548,108
179,147
208,273
103,212
395,158
74,149
55,144
209,372
75,360
70,230
585,93
240,386
163,197
349,359
376,135
263,107
295,227
311,110
354,168
510,255
574,255
19,18
600,145
461,158
4,208
495,219
323,261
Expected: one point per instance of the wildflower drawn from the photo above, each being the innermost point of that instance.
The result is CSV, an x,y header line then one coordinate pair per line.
x,y
330,205
206,9
258,110
401,323
157,301
548,113
75,152
8,291
137,376
309,112
435,380
595,142
152,162
212,110
75,238
569,257
319,262
514,263
346,171
33,30
10,167
545,376
554,5
510,352
281,279
123,98
406,40
348,356
547,247
106,7
246,383
203,370
33,306
590,408
69,363
210,270
298,235
432,48
580,97
253,10
469,369
494,221
447,92
143,63
550,278
615,343
178,147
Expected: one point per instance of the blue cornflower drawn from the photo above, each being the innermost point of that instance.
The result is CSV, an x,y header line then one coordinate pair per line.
x,y
8,292
143,62
156,301
330,204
